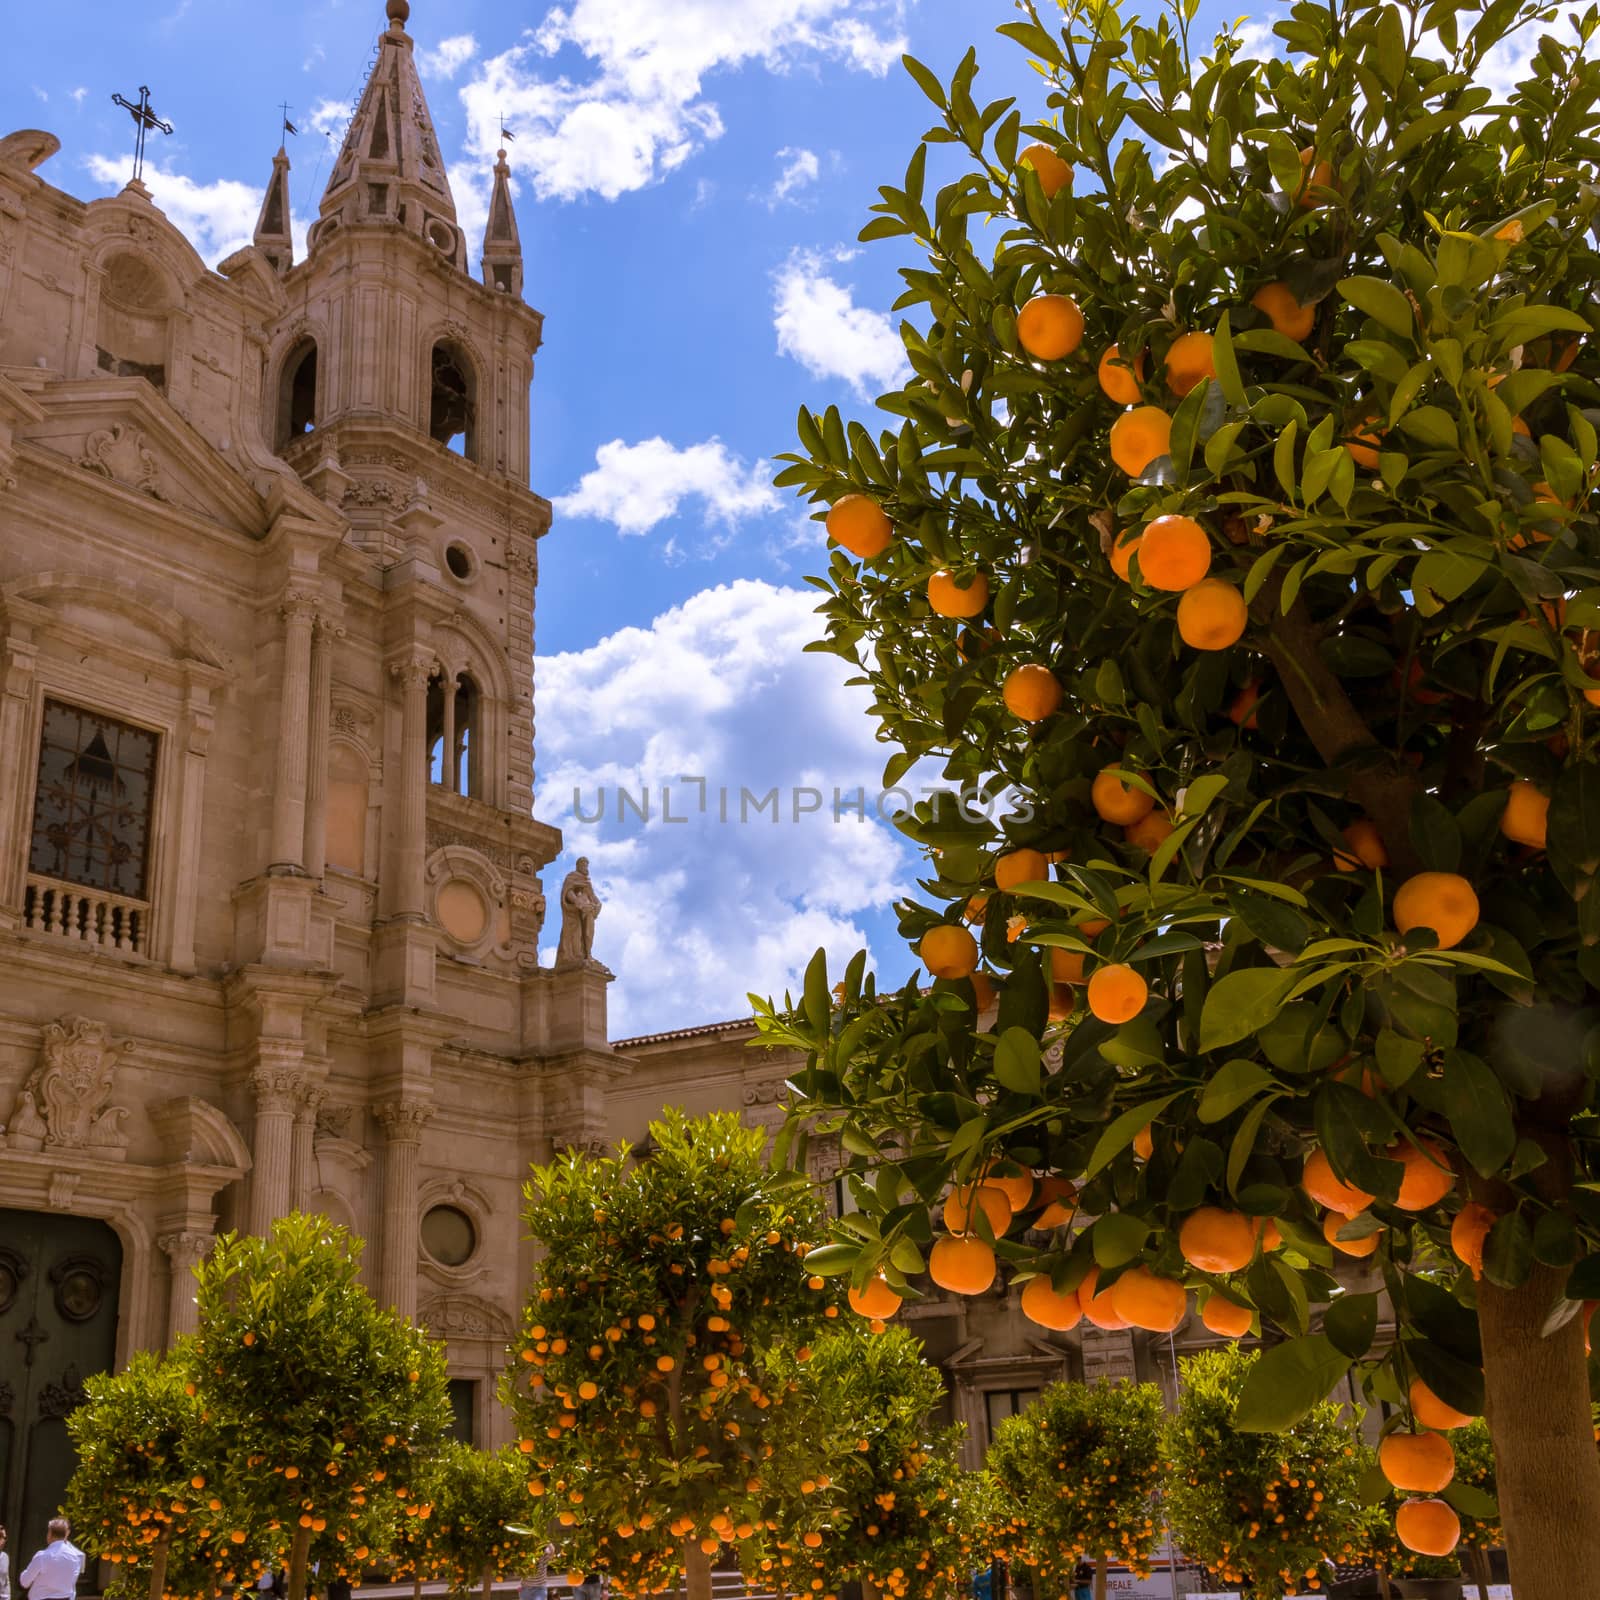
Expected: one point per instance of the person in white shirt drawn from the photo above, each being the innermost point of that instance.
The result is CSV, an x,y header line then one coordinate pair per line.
x,y
54,1572
5,1568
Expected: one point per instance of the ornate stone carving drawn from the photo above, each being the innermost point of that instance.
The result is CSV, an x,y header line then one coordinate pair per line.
x,y
63,1190
277,1089
58,1400
185,1250
466,1316
772,1093
333,1121
63,1104
377,492
580,905
404,1120
413,672
303,603
121,454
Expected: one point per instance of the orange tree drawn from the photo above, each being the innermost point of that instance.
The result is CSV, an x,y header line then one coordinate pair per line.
x,y
1076,1474
483,1526
640,1379
1278,624
893,1510
1268,1511
138,1498
318,1407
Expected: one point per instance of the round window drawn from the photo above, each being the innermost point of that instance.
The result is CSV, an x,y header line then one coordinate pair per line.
x,y
442,236
78,1295
458,559
449,1236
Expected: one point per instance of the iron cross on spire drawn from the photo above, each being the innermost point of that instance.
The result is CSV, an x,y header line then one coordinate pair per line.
x,y
288,126
506,135
144,119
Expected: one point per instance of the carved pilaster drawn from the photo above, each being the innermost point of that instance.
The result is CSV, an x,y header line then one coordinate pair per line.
x,y
301,1162
279,1083
327,633
411,675
289,799
403,1122
184,1251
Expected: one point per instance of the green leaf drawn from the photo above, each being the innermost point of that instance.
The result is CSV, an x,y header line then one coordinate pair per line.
x,y
816,1003
1226,363
832,1260
1244,1141
1243,1002
1471,1501
1508,1251
1120,1134
1234,1083
926,81
1288,1382
1381,301
1351,1323
1480,1111
1016,1061
1118,1238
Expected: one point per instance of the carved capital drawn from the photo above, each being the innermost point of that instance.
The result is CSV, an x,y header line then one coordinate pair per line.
x,y
414,672
311,1103
277,1088
301,605
185,1250
404,1120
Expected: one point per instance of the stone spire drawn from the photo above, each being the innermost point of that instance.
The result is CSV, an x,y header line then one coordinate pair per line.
x,y
389,170
272,237
502,244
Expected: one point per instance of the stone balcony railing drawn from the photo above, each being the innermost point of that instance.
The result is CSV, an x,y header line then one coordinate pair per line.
x,y
88,916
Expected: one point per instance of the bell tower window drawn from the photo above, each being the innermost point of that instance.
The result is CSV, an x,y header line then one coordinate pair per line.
x,y
455,760
131,325
452,409
297,393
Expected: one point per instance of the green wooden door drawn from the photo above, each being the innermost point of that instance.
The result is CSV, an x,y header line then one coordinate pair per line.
x,y
58,1324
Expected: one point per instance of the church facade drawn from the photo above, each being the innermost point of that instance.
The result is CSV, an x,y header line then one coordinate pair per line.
x,y
271,887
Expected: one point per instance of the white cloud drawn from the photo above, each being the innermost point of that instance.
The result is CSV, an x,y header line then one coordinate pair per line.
x,y
636,486
700,912
631,105
79,95
330,116
1507,64
42,94
471,184
821,326
448,57
801,169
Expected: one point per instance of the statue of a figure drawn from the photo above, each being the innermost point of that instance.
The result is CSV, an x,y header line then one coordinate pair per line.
x,y
580,905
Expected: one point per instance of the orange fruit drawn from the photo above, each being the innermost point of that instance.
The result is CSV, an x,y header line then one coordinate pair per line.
x,y
1048,1308
1144,1144
960,1203
1031,692
1139,436
1117,993
1061,1201
1174,553
1066,966
1189,359
1314,175
1318,1180
1431,1411
1116,801
1050,326
874,1299
1366,847
1144,1300
1242,712
983,989
1468,1232
1363,443
1215,1240
949,952
1429,1527
1053,173
949,598
1212,615
1441,901
1276,302
1526,815
1020,866
1015,1184
1333,1222
1424,1184
1122,552
1226,1317
963,1264
1268,1234
1149,831
1097,1304
861,525
1118,380
1418,1463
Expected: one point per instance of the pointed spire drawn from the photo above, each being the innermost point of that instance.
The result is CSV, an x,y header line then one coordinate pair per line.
x,y
272,237
502,243
389,170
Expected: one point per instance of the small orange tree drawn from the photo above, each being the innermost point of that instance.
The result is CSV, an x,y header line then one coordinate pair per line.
x,y
483,1527
1268,1511
893,1511
1077,1473
640,1380
318,1407
138,1497
1237,522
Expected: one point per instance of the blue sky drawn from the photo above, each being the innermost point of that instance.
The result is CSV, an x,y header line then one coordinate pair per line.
x,y
691,177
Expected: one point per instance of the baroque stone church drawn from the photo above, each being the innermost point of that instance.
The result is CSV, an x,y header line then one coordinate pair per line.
x,y
271,887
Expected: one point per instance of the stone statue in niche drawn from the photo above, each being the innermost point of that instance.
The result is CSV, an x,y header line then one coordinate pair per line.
x,y
580,905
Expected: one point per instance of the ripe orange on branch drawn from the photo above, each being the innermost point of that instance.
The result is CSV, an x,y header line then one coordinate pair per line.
x,y
1117,993
1467,1234
1431,1411
1334,1223
1366,847
949,952
1215,1240
1139,436
1145,1300
1174,553
1212,615
1117,801
1050,326
1320,1182
1118,380
1020,866
1429,1527
861,525
1031,692
962,1205
1227,1317
1050,1308
874,1299
963,1264
1428,1178
1276,302
1419,1463
1526,817
1053,173
1442,901
1190,357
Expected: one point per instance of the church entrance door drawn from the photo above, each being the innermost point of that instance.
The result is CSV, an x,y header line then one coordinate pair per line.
x,y
58,1325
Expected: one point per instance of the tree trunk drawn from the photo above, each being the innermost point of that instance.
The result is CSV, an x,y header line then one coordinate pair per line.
x,y
696,1571
299,1557
1101,1563
1383,1585
1546,1467
488,1582
416,1587
1478,1563
158,1567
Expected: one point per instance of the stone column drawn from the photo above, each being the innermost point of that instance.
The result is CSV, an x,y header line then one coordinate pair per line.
x,y
277,1083
289,799
16,707
449,762
403,1122
411,790
184,1252
302,1162
316,834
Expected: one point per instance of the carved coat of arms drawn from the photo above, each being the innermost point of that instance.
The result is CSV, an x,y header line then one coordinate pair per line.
x,y
63,1105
